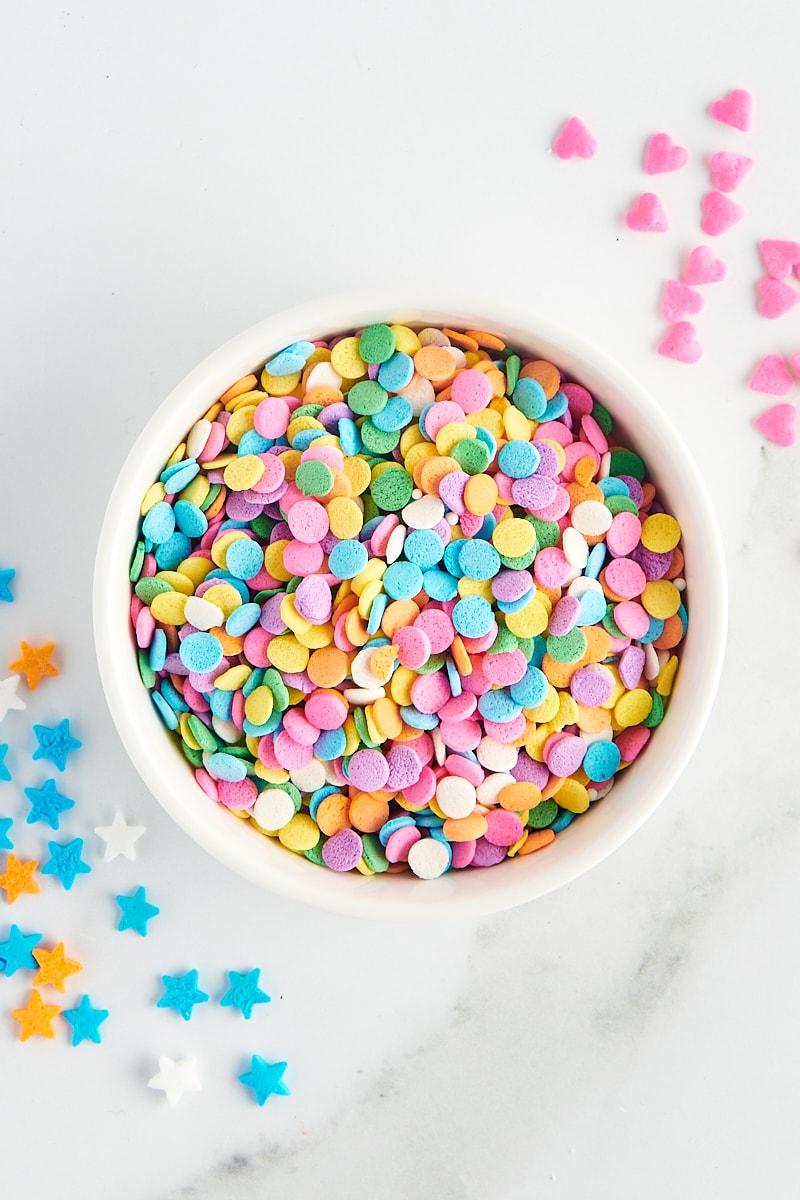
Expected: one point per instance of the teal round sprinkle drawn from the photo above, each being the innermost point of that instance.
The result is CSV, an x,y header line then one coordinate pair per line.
x,y
164,710
601,761
179,478
245,558
396,414
530,399
397,372
159,523
473,617
478,560
171,553
243,619
402,580
440,585
424,548
518,459
190,519
225,767
200,652
347,558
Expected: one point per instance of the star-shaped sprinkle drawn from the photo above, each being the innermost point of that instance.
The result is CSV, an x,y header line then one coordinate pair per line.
x,y
119,838
54,967
15,951
175,1076
18,878
55,743
85,1021
266,1079
244,992
5,774
35,663
36,1017
8,695
181,993
6,576
5,841
136,911
47,803
65,861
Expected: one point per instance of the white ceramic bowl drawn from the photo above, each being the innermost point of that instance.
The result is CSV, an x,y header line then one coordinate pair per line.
x,y
582,844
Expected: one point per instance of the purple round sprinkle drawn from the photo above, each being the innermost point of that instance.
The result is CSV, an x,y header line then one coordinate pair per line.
x,y
548,460
342,851
528,770
566,756
537,491
240,509
368,770
451,490
313,599
509,585
634,488
592,685
271,618
564,616
405,768
631,665
655,566
486,854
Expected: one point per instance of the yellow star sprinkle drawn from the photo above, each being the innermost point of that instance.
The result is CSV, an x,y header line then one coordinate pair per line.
x,y
54,967
35,663
36,1017
18,878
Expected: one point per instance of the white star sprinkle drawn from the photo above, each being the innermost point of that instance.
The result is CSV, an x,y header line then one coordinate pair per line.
x,y
8,695
175,1076
119,838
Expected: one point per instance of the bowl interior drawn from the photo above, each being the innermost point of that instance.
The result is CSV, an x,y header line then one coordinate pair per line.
x,y
583,843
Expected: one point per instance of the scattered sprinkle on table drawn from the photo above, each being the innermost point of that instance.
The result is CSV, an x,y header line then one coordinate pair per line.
x,y
265,1078
244,992
136,912
119,838
5,774
65,861
56,743
36,1017
6,575
574,140
17,878
182,993
47,804
54,966
175,1076
35,663
8,696
16,951
85,1021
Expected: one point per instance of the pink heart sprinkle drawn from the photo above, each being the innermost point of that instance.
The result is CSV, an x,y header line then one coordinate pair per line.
x,y
719,213
703,267
728,170
574,141
778,424
680,343
776,298
733,109
795,361
679,301
772,376
646,214
779,257
662,154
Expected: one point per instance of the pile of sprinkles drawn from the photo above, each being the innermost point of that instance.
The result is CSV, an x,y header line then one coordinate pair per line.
x,y
406,602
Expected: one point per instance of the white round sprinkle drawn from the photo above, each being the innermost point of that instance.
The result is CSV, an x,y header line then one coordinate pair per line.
x,y
592,518
394,545
360,670
419,394
273,809
322,374
455,796
429,858
495,756
574,546
433,337
651,663
583,584
492,786
605,466
424,513
309,778
202,613
605,735
229,732
198,436
364,695
439,748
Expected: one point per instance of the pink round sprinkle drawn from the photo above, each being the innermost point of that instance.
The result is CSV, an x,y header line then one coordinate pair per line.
x,y
241,794
461,735
342,851
631,619
579,399
551,568
430,692
413,646
465,768
624,534
506,668
326,710
472,390
308,521
504,827
291,755
625,577
592,686
368,770
299,727
505,731
271,418
399,843
564,616
632,741
463,854
458,708
301,558
443,412
418,794
439,628
207,783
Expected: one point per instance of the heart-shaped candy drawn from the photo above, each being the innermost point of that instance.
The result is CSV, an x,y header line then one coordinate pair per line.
x,y
680,343
703,267
679,301
646,214
779,257
776,298
719,213
734,109
772,376
574,141
662,154
728,170
779,424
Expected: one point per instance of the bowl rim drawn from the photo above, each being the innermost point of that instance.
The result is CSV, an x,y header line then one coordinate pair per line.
x,y
166,776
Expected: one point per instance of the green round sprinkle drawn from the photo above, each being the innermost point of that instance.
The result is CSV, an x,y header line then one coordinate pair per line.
x,y
625,462
377,440
262,526
547,532
148,588
656,714
213,492
372,849
360,718
293,584
137,562
603,417
314,855
434,663
195,757
618,504
377,344
472,455
513,364
148,675
307,410
610,625
527,646
273,680
392,489
569,648
202,734
543,814
252,682
504,642
518,562
371,509
367,397
314,478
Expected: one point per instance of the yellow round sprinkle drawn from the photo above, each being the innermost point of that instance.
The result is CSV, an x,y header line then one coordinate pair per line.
x,y
411,436
241,422
480,495
287,654
453,433
195,569
154,495
516,425
661,599
633,707
291,617
547,709
513,536
375,569
418,453
258,705
177,581
406,341
219,550
368,594
168,608
178,455
196,490
535,744
346,359
186,733
302,833
279,385
345,517
476,587
244,472
273,561
661,533
315,637
667,676
233,678
358,472
225,597
489,419
573,796
400,685
530,621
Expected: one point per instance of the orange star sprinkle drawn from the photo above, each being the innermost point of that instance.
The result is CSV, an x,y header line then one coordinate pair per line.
x,y
36,1017
35,663
18,878
54,967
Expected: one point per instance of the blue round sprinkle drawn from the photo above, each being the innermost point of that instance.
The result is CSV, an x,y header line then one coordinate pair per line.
x,y
513,606
473,616
243,619
330,744
376,611
402,580
417,720
593,608
555,407
594,563
173,697
389,828
395,415
316,798
423,547
221,703
164,711
190,519
531,690
453,678
225,766
440,585
349,437
286,363
613,486
200,652
478,560
397,372
499,705
530,399
179,476
655,630
452,557
253,443
601,761
245,558
518,459
158,650
347,558
159,523
171,553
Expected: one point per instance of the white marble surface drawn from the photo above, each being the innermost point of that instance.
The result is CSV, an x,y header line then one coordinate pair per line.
x,y
171,174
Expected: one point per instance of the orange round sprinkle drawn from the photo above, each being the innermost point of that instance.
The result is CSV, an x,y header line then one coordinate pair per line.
x,y
487,341
435,363
328,666
544,373
367,813
519,796
536,840
332,814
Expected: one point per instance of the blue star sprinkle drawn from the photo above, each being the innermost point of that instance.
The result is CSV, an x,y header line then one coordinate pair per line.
x,y
265,1079
85,1021
47,803
5,584
5,774
244,992
66,862
181,993
5,841
136,912
55,743
15,952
